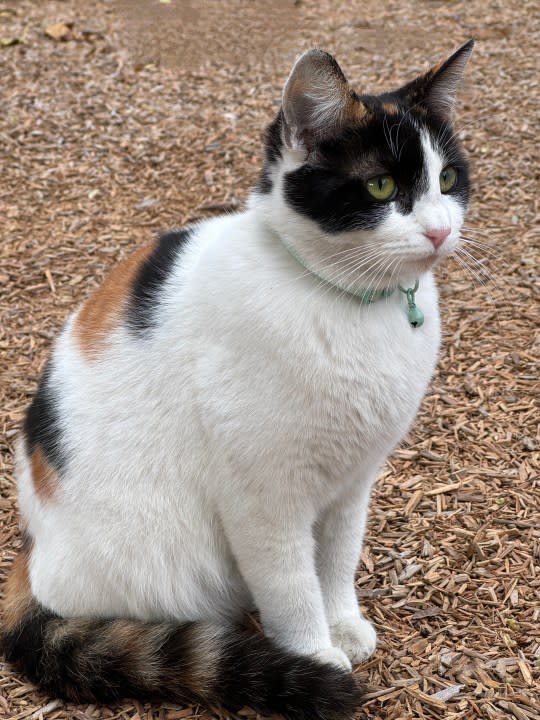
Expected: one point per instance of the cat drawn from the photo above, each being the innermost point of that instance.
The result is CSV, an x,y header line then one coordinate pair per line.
x,y
208,428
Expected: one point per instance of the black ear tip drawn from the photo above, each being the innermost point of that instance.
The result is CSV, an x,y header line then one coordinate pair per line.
x,y
461,55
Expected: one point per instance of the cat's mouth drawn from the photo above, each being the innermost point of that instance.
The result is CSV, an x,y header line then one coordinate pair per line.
x,y
423,261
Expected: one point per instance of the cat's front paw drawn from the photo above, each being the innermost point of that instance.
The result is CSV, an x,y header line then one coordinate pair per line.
x,y
356,637
334,656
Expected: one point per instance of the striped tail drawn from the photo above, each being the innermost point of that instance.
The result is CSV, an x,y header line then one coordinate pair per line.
x,y
103,660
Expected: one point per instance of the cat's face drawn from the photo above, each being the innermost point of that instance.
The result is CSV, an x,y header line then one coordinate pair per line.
x,y
368,189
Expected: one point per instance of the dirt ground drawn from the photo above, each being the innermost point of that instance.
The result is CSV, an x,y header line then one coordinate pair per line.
x,y
119,119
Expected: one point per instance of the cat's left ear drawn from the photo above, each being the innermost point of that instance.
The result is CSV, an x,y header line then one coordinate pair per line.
x,y
437,88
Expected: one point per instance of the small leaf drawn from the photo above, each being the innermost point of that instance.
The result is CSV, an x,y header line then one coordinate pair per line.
x,y
59,31
508,640
8,42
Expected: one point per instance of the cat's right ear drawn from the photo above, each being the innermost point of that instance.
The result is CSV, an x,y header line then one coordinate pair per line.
x,y
436,89
317,101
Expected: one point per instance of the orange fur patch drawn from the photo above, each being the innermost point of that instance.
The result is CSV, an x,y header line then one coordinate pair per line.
x,y
103,309
390,108
44,477
435,69
17,590
355,111
206,650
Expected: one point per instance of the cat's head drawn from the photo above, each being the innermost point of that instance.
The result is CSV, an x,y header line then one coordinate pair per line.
x,y
366,188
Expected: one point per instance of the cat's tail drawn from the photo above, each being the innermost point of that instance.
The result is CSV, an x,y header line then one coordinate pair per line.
x,y
103,660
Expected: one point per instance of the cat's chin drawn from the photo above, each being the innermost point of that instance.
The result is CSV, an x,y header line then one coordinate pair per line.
x,y
419,265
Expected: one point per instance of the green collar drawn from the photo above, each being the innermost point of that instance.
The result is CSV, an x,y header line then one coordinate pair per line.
x,y
366,296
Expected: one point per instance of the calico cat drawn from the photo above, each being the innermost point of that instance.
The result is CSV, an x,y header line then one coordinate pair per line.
x,y
209,425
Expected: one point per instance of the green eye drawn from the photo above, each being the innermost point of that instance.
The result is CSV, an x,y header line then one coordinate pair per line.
x,y
381,187
448,178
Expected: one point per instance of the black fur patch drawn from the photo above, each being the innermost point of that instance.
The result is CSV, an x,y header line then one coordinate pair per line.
x,y
105,660
272,151
151,278
42,423
21,645
254,672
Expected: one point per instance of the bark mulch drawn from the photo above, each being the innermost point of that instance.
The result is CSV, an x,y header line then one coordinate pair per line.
x,y
118,119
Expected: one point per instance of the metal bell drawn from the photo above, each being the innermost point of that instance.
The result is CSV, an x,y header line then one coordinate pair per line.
x,y
415,317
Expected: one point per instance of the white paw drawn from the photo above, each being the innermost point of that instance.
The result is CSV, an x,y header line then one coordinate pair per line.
x,y
356,637
334,656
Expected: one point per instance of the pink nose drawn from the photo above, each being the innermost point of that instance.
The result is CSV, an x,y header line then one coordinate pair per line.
x,y
438,236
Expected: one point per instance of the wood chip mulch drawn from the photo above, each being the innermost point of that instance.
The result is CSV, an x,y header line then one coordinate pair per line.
x,y
119,119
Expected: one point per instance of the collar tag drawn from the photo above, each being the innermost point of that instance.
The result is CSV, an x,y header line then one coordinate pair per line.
x,y
414,315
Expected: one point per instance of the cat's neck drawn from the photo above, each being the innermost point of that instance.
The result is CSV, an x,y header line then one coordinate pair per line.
x,y
365,295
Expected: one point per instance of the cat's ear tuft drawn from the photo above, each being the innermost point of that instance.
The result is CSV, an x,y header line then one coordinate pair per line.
x,y
437,89
317,100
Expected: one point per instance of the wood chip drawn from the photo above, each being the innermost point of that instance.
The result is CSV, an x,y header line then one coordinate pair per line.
x,y
59,31
448,693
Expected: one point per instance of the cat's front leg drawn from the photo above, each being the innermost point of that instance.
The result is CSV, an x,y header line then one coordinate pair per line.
x,y
339,535
275,553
